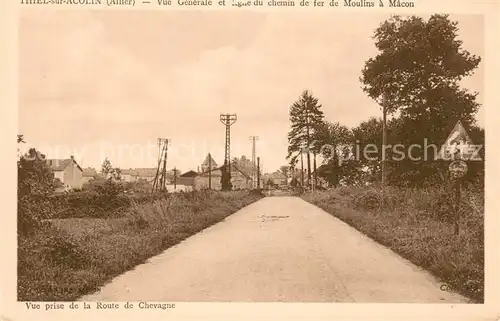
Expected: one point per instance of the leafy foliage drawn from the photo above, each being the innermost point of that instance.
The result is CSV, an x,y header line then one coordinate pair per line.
x,y
35,183
332,141
107,187
244,164
111,185
419,66
284,170
106,167
417,71
416,75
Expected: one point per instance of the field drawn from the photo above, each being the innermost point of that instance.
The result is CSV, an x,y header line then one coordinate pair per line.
x,y
69,257
418,225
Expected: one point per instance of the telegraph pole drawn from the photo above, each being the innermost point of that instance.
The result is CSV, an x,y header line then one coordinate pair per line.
x,y
384,137
161,171
175,178
301,169
258,172
164,170
228,120
254,174
384,143
209,171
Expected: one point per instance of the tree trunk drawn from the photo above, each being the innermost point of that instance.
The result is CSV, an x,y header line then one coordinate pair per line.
x,y
301,169
315,172
308,167
335,166
308,137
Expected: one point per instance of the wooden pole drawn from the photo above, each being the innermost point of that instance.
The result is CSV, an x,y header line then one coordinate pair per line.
x,y
315,172
209,171
458,192
301,170
258,172
164,171
384,143
384,138
175,178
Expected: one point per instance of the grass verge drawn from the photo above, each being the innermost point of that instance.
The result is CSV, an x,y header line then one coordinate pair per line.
x,y
68,258
418,225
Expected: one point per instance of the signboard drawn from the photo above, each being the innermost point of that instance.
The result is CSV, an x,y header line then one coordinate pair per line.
x,y
458,148
458,168
458,145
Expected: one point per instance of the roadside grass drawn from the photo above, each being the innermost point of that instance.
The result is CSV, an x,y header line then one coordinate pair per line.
x,y
69,258
418,225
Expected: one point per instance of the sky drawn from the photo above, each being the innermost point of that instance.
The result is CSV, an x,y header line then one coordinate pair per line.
x,y
97,84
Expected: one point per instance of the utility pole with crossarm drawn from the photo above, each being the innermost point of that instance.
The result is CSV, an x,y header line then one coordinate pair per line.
x,y
227,120
254,165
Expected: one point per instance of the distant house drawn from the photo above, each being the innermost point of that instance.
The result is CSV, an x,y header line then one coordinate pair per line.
x,y
147,174
278,179
68,172
129,175
239,179
189,174
187,179
88,174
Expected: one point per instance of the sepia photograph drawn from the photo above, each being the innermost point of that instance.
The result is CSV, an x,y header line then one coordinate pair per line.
x,y
245,156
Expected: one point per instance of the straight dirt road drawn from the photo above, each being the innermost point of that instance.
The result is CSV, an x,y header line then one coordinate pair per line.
x,y
277,249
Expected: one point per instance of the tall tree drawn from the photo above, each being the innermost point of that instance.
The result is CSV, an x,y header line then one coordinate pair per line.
x,y
367,140
244,164
284,170
106,167
418,70
331,141
305,117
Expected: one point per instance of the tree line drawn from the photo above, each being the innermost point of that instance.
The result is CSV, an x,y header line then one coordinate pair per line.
x,y
416,75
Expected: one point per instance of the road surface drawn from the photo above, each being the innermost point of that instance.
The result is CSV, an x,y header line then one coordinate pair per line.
x,y
277,249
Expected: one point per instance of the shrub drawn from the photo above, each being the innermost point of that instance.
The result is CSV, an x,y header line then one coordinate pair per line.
x,y
441,206
89,204
35,182
370,199
257,191
107,187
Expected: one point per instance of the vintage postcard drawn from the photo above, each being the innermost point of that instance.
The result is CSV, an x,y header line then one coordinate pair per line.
x,y
243,159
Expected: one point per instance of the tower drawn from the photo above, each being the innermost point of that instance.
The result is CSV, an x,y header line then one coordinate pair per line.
x,y
208,164
227,120
254,169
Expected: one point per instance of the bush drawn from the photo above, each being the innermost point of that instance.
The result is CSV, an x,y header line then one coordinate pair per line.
x,y
370,199
54,250
89,204
106,187
32,210
441,206
35,182
257,191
